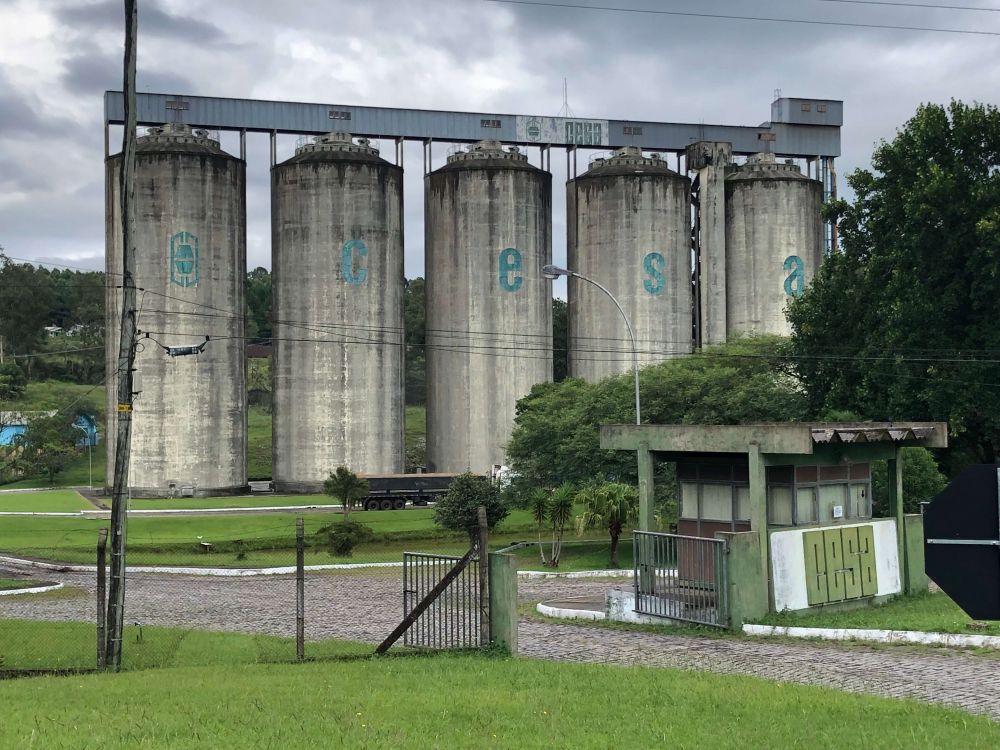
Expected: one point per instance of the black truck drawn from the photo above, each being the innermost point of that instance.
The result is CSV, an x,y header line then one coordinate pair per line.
x,y
392,491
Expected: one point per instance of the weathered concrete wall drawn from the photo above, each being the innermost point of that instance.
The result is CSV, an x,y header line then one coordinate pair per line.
x,y
337,245
488,222
189,422
628,229
774,243
788,566
710,161
748,590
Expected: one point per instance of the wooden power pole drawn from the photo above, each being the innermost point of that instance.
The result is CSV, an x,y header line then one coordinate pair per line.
x,y
126,354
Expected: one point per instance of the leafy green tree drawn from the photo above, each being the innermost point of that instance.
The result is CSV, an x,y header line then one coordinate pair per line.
x,y
347,487
903,322
12,382
609,506
560,340
556,436
458,508
341,538
414,324
258,294
47,445
25,299
922,480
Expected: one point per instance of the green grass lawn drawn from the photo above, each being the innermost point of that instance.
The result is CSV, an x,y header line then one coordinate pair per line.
x,y
592,554
9,584
456,701
267,539
48,501
927,612
258,443
55,394
241,501
71,645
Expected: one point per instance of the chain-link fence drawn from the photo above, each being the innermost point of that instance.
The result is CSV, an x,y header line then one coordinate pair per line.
x,y
210,597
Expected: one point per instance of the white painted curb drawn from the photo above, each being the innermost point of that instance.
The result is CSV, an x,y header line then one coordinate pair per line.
x,y
569,614
32,590
878,636
615,573
224,572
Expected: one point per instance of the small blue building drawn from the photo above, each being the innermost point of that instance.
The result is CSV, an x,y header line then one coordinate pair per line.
x,y
13,424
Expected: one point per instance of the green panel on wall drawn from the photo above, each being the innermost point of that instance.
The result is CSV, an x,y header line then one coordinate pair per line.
x,y
815,554
834,564
866,560
851,572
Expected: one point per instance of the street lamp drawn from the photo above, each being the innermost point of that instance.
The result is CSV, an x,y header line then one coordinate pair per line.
x,y
554,272
90,452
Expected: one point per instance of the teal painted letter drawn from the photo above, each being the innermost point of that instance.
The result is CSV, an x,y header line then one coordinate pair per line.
x,y
795,282
350,274
655,282
510,264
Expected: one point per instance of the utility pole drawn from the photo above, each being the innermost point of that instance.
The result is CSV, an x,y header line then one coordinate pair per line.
x,y
126,354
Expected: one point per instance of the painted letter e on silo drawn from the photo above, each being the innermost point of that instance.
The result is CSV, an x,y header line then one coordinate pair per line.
x,y
510,264
352,275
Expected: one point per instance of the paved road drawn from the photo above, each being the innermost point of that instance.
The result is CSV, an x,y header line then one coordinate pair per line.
x,y
366,605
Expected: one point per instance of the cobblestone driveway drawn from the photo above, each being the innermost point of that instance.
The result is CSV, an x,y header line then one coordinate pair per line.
x,y
366,605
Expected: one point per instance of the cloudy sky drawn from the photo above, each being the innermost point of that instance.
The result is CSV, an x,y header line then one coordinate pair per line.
x,y
57,57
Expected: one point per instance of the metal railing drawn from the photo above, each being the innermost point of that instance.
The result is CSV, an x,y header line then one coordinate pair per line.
x,y
681,577
452,620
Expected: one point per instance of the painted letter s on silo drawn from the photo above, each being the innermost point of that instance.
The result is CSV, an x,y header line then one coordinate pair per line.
x,y
510,264
653,265
352,247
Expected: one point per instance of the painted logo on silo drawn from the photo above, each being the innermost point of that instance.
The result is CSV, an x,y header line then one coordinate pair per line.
x,y
184,269
795,282
509,262
655,282
354,274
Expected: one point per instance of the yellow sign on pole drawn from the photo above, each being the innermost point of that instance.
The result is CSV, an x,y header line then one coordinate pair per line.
x,y
125,407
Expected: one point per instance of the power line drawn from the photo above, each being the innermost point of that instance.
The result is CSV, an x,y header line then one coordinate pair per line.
x,y
762,19
913,5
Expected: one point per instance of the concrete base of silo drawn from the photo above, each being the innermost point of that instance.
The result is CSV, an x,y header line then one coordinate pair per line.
x,y
183,491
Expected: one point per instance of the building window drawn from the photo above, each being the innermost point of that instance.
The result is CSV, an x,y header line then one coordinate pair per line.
x,y
779,505
821,108
806,107
339,114
632,130
489,123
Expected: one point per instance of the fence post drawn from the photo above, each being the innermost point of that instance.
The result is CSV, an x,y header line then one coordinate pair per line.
x,y
300,590
102,546
503,601
484,577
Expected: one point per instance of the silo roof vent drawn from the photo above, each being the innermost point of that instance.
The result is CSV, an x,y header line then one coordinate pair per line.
x,y
178,132
336,141
488,150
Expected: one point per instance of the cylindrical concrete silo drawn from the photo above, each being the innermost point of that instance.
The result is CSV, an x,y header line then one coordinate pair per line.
x,y
488,222
189,430
774,242
337,246
628,228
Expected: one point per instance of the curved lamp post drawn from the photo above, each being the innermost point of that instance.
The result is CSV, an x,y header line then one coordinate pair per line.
x,y
554,272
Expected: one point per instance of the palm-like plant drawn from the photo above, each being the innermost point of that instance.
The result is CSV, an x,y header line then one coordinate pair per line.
x,y
559,512
347,487
609,506
538,503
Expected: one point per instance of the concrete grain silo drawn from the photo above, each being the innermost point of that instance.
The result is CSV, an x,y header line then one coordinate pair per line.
x,y
189,432
488,222
774,242
337,247
628,228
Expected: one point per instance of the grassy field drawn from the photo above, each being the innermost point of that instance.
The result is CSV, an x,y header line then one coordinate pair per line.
x,y
9,584
935,613
46,501
455,701
577,555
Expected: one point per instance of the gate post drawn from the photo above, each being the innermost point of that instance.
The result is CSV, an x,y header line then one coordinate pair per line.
x,y
484,577
503,601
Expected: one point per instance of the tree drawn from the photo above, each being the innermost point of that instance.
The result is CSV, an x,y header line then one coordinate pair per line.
x,y
12,382
414,326
560,339
556,436
902,323
47,445
258,292
25,299
458,508
608,506
347,487
922,480
552,510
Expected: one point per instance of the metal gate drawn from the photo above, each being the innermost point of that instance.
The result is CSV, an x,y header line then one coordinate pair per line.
x,y
453,619
681,577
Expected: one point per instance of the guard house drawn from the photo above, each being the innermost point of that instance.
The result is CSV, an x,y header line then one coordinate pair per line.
x,y
773,517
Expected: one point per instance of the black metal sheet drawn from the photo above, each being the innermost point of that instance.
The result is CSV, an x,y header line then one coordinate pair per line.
x,y
966,510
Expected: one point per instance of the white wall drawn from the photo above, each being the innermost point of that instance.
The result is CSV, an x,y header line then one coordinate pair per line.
x,y
788,564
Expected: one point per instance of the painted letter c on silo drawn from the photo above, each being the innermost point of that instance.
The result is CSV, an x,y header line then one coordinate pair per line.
x,y
795,282
655,282
352,276
510,264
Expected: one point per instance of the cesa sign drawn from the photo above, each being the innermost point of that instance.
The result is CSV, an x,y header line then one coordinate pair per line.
x,y
962,541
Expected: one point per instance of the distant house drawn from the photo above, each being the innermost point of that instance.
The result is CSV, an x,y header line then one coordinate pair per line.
x,y
52,331
14,423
